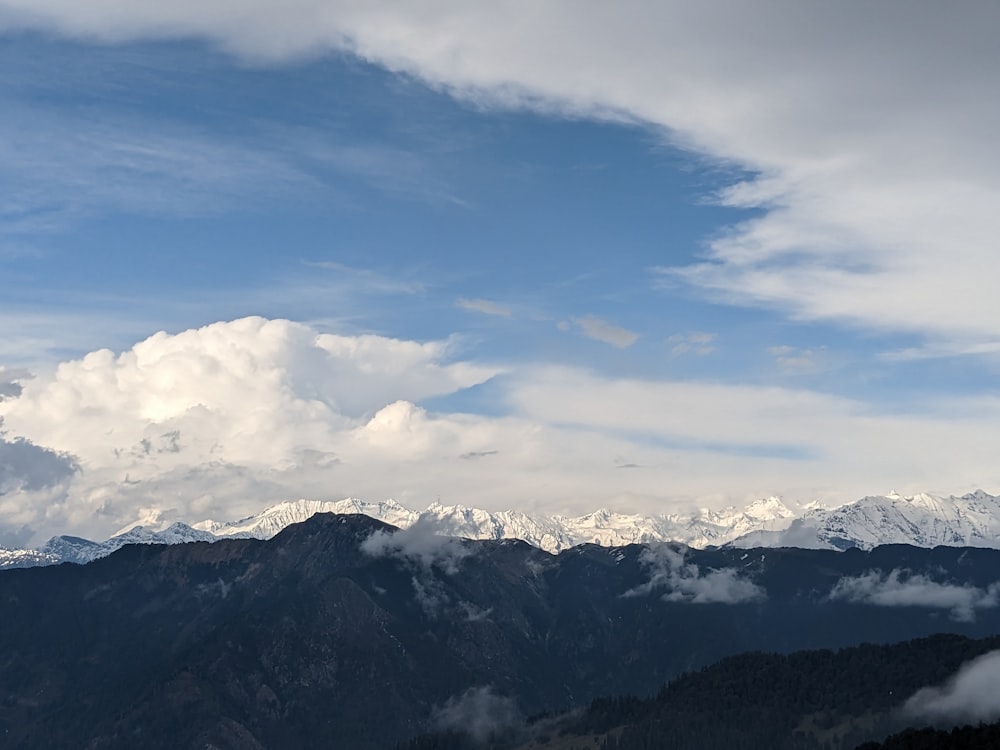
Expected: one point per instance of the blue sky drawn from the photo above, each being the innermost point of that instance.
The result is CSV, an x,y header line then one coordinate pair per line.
x,y
332,191
646,201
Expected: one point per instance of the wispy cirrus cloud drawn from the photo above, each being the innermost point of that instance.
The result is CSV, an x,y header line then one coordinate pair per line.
x,y
699,343
795,360
484,306
608,333
59,170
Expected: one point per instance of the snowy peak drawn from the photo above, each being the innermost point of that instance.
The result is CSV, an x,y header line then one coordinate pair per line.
x,y
76,550
25,558
768,509
923,520
273,519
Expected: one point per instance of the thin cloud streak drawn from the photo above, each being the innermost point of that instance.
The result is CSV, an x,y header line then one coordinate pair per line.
x,y
608,333
484,306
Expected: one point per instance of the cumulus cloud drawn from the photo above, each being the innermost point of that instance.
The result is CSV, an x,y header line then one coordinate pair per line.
x,y
484,306
216,390
867,133
220,421
971,695
256,406
10,378
26,466
685,582
478,712
601,330
902,589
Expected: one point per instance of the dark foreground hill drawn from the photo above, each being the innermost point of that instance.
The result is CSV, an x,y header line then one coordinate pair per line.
x,y
810,699
339,633
982,737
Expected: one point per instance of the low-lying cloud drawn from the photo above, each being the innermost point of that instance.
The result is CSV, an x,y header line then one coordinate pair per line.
x,y
971,695
900,588
422,544
682,581
478,712
427,552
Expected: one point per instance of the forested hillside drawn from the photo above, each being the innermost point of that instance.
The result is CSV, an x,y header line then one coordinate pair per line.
x,y
827,700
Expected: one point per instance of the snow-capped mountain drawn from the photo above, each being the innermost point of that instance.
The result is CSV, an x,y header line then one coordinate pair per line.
x,y
273,519
922,520
25,558
77,550
550,533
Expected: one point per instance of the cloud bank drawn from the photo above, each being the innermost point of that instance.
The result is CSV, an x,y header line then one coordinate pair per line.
x,y
867,134
220,421
189,422
901,589
972,695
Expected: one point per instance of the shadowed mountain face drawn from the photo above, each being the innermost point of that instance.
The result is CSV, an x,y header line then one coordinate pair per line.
x,y
338,632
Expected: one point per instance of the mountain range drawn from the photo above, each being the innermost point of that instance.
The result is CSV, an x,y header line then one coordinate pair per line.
x,y
344,631
922,520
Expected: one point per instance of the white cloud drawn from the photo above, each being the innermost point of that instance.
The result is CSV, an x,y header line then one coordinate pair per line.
x,y
422,542
220,421
478,712
685,582
869,131
703,438
601,330
484,306
901,589
971,695
794,360
697,342
240,407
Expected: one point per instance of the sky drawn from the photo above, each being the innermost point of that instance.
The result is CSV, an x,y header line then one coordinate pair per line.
x,y
651,256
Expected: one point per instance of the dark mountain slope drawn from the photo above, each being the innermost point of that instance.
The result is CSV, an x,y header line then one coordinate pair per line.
x,y
308,640
984,737
809,699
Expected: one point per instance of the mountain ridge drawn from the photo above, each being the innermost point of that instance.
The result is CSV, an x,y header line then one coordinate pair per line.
x,y
345,628
924,520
